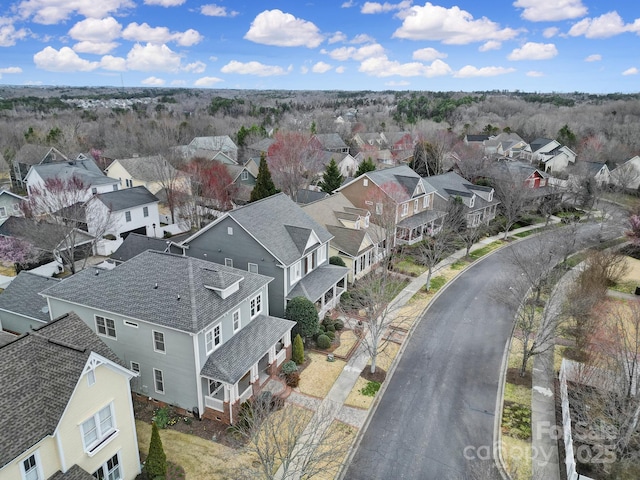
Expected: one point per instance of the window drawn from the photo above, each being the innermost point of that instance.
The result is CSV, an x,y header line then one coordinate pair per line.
x,y
405,209
98,428
322,254
135,367
228,262
236,321
31,469
3,212
129,182
365,182
415,206
115,187
158,379
94,190
16,207
256,305
244,175
253,267
213,387
130,324
425,201
213,338
229,230
109,470
145,211
295,272
127,216
105,327
378,208
91,377
368,202
366,221
158,341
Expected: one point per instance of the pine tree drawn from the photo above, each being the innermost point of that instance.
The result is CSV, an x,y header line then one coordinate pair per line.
x,y
331,178
297,352
264,186
156,463
365,166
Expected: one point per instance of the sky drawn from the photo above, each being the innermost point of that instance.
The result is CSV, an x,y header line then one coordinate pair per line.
x,y
542,46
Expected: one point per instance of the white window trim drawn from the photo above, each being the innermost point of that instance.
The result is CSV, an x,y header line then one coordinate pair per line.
x,y
106,468
145,211
228,262
254,265
155,383
416,205
233,320
212,331
365,182
405,209
127,214
3,212
106,334
36,457
425,201
104,438
133,369
295,272
164,342
322,254
258,311
91,377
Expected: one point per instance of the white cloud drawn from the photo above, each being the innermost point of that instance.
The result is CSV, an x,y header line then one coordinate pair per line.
x,y
150,57
213,10
471,71
207,81
96,30
534,73
345,53
375,7
428,54
159,35
95,48
534,51
362,38
153,81
348,4
116,64
9,35
383,67
550,32
450,26
337,37
490,45
340,69
11,70
596,57
321,67
604,26
274,27
63,60
165,3
550,10
213,58
631,71
253,68
50,12
304,70
195,67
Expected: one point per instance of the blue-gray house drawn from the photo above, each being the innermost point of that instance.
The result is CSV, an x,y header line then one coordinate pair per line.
x,y
198,333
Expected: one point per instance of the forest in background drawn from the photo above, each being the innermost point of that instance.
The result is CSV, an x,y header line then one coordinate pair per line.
x,y
143,121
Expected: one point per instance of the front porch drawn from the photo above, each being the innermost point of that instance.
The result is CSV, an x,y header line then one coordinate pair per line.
x,y
323,286
413,229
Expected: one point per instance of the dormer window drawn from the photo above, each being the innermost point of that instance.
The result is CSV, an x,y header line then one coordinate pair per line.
x,y
472,201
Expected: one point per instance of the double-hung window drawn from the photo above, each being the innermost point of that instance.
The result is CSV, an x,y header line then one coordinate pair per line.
x,y
256,305
145,211
405,209
105,327
31,468
158,342
110,470
425,201
158,379
236,321
127,216
415,205
213,338
98,429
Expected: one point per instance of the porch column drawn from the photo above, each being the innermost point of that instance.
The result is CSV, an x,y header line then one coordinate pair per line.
x,y
286,339
230,393
272,354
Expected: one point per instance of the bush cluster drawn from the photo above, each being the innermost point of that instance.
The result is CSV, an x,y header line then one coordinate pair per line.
x,y
323,341
516,421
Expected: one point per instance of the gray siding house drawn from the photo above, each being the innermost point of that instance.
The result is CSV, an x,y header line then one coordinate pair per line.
x,y
21,307
275,237
196,332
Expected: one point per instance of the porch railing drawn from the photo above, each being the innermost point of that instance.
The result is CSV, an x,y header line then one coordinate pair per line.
x,y
246,395
280,356
214,404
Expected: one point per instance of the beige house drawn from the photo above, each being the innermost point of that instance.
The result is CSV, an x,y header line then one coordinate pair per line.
x,y
67,405
154,173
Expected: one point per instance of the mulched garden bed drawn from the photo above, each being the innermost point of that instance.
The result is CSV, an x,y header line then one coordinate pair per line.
x,y
379,375
513,376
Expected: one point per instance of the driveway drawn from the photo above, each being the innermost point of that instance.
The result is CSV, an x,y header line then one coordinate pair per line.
x,y
436,418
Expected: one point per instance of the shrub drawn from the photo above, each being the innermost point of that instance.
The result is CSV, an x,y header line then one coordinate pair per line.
x,y
323,341
516,421
289,367
327,320
321,329
156,463
302,311
297,353
335,260
338,325
370,389
293,379
109,236
331,328
331,335
161,417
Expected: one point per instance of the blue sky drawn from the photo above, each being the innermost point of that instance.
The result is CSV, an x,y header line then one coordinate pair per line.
x,y
464,45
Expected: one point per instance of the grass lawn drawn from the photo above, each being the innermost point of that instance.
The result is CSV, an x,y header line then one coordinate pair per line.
x,y
459,264
517,457
517,393
347,340
200,458
356,399
319,376
480,252
8,271
410,268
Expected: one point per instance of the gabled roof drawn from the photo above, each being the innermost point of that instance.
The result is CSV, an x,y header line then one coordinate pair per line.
x,y
85,170
401,180
22,296
38,373
330,141
347,240
221,143
538,143
127,198
477,138
262,145
180,300
135,244
73,473
451,185
31,154
270,222
305,196
11,194
41,235
148,169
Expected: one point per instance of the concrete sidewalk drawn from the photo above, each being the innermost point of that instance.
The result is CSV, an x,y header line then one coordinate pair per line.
x,y
332,406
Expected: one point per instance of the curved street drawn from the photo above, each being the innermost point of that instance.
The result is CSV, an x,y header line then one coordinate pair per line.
x,y
436,417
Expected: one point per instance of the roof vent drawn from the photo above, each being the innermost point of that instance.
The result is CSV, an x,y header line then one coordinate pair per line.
x,y
156,286
178,297
97,272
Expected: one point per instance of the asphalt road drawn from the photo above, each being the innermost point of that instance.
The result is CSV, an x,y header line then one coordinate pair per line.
x,y
436,418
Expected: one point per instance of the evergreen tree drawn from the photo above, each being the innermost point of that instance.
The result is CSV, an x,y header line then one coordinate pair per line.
x,y
303,311
331,178
264,186
297,352
365,166
156,463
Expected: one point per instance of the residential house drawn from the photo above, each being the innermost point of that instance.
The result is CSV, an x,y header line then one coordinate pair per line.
x,y
132,210
400,144
5,173
479,202
598,171
154,173
345,162
67,406
504,145
401,190
627,174
30,155
307,195
477,139
551,154
275,237
135,244
261,147
197,332
188,153
10,204
329,142
357,241
21,306
219,143
243,181
536,182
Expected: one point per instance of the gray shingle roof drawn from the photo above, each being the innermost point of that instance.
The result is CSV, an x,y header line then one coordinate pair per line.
x,y
6,337
31,154
316,283
330,141
135,244
222,143
21,296
38,374
41,235
347,240
306,196
451,185
74,473
85,170
403,177
149,169
180,301
234,358
422,218
127,198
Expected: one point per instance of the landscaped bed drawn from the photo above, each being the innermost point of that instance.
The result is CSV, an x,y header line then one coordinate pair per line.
x,y
319,375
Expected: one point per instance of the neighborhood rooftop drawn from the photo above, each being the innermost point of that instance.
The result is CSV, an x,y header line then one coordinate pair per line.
x,y
22,296
127,198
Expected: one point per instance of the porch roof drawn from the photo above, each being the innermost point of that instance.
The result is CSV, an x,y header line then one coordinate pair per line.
x,y
233,360
421,218
314,285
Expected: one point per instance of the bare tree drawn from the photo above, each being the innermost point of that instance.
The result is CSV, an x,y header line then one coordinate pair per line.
x,y
293,161
430,152
514,198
